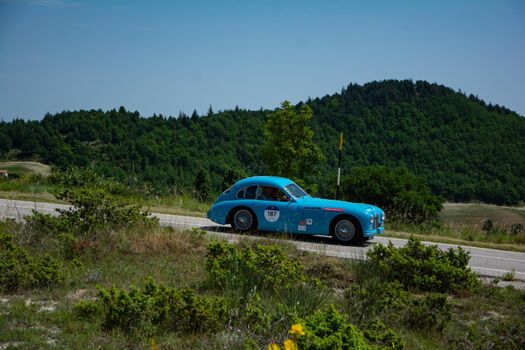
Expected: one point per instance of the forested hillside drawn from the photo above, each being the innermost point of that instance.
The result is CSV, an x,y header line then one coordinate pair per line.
x,y
464,148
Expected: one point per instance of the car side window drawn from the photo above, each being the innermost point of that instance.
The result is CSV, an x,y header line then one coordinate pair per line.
x,y
240,194
250,192
269,193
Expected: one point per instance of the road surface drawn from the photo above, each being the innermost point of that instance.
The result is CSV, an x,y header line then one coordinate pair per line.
x,y
486,262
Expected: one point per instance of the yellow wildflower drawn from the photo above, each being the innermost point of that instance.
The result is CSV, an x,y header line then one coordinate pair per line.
x,y
274,346
289,344
297,329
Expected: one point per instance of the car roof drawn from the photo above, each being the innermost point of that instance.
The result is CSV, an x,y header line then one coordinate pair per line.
x,y
264,180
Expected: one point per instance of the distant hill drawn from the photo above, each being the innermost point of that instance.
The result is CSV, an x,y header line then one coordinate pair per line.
x,y
465,149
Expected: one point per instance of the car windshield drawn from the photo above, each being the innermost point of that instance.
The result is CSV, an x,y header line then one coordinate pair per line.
x,y
296,191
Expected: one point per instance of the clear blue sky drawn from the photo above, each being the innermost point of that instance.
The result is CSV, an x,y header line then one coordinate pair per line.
x,y
169,56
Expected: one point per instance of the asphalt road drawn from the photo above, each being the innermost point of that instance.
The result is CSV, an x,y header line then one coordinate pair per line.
x,y
486,262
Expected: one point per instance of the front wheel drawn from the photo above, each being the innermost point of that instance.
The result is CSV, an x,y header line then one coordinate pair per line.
x,y
243,220
346,231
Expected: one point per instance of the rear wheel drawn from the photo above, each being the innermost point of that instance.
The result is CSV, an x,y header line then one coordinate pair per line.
x,y
243,220
345,231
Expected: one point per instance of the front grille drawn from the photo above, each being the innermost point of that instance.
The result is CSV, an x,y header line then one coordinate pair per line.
x,y
378,224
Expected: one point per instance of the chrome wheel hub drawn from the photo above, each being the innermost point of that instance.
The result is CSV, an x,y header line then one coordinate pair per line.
x,y
344,230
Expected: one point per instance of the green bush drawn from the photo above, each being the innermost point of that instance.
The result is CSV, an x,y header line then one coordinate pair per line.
x,y
47,271
47,233
431,311
15,264
251,315
403,196
390,303
242,269
330,330
82,226
490,334
202,186
76,178
18,269
377,333
425,268
93,211
266,313
146,311
87,309
385,300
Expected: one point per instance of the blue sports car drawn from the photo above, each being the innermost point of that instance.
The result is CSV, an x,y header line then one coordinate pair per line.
x,y
278,204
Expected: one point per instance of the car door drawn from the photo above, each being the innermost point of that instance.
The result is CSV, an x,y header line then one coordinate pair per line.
x,y
275,210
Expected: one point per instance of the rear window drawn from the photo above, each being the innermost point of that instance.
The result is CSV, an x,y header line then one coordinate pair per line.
x,y
247,193
251,192
240,194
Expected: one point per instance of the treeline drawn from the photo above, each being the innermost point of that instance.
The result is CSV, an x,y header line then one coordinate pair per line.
x,y
463,148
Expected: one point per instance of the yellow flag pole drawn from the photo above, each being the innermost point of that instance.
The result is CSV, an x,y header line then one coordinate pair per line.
x,y
339,166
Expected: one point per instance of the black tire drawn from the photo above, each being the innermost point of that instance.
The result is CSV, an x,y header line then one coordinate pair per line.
x,y
346,230
243,220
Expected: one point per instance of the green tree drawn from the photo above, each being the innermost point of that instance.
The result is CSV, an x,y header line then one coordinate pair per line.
x,y
202,185
231,175
403,196
289,149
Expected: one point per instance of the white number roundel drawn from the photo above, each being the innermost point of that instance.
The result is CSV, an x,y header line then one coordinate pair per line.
x,y
272,214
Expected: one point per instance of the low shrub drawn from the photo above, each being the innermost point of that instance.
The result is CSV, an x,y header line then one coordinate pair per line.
x,y
87,309
93,211
146,311
81,227
47,271
378,333
430,311
242,269
390,303
330,330
251,315
18,269
509,276
425,268
47,233
75,177
15,264
501,334
516,229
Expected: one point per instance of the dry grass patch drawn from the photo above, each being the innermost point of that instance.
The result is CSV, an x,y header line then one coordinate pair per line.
x,y
334,272
168,240
475,214
22,168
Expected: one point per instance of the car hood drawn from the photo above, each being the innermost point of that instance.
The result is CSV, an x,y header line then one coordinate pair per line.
x,y
331,203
